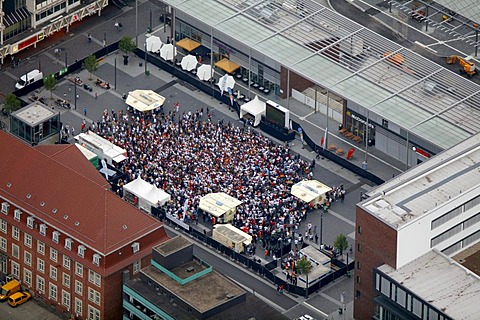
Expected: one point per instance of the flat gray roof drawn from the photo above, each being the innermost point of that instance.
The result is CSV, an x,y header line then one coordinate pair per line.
x,y
172,245
336,53
34,114
470,9
442,181
442,282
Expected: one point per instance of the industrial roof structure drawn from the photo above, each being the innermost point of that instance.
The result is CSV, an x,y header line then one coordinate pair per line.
x,y
336,53
443,182
442,282
467,8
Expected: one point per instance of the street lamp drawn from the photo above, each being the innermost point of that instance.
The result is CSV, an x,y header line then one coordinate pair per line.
x,y
75,93
136,23
146,57
66,64
321,228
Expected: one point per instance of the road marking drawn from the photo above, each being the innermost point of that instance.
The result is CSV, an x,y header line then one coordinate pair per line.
x,y
333,213
14,77
315,309
335,301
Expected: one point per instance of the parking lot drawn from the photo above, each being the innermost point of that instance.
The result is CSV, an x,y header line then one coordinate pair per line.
x,y
30,310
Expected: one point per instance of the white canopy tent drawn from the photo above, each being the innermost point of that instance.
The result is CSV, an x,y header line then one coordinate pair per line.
x,y
189,62
225,82
220,205
205,72
256,108
168,51
144,100
154,44
147,195
231,237
311,191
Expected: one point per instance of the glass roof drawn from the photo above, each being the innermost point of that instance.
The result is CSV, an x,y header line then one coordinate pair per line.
x,y
352,61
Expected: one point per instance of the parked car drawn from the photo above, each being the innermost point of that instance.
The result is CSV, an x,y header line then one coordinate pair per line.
x,y
19,298
8,289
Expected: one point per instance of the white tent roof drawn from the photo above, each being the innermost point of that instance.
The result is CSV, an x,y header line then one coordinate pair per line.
x,y
146,191
234,234
254,107
309,190
218,203
144,100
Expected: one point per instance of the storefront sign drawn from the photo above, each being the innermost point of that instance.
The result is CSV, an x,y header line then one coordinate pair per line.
x,y
421,152
355,117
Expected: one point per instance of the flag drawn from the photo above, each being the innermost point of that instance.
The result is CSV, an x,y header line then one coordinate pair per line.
x,y
324,139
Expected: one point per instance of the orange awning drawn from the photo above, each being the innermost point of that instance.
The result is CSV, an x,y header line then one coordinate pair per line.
x,y
227,65
396,59
188,44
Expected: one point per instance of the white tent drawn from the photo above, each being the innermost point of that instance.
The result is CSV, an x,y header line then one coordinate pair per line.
x,y
147,194
220,205
144,100
231,237
189,62
154,44
168,51
225,82
256,108
311,191
205,72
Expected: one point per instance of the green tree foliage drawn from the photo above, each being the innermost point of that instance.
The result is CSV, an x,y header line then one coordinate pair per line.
x,y
341,243
91,64
304,266
127,44
50,83
12,103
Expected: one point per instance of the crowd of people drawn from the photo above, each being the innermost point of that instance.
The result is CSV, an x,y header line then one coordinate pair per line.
x,y
188,155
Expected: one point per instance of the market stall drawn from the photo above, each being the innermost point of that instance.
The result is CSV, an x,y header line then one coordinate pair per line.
x,y
145,195
311,191
231,237
220,205
256,108
144,100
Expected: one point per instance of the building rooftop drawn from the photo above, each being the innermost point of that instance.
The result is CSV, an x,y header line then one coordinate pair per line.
x,y
172,245
442,282
445,182
470,258
467,8
397,84
34,114
63,190
203,293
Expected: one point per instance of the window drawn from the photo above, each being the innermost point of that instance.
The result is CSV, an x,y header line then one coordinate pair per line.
x,y
3,244
136,247
78,287
16,270
27,240
53,292
40,265
68,244
27,277
93,314
27,257
78,269
94,296
16,214
66,299
53,272
81,251
53,254
3,226
359,265
385,123
359,247
66,262
41,247
96,259
359,229
55,236
40,284
358,279
15,251
66,280
78,307
30,222
357,294
43,229
15,233
94,278
136,266
5,207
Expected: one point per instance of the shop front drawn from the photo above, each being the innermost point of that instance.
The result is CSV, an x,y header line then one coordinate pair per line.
x,y
357,124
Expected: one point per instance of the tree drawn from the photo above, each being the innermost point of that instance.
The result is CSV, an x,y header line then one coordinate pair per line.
x,y
12,103
91,64
304,266
341,243
127,45
50,83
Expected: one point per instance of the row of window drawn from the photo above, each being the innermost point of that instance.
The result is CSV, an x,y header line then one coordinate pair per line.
x,y
455,230
93,277
43,231
455,212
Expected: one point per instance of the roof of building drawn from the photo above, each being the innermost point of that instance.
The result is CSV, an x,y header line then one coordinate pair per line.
x,y
470,258
34,114
233,234
442,282
172,245
61,190
203,293
467,8
334,52
442,183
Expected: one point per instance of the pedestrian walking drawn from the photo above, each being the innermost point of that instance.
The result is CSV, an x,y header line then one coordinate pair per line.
x,y
78,97
83,127
89,36
316,238
168,40
96,95
104,43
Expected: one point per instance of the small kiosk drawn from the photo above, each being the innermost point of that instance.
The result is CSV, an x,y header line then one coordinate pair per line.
x,y
310,191
144,195
231,237
220,205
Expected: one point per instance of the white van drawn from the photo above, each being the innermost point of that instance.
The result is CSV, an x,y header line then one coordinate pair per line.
x,y
29,78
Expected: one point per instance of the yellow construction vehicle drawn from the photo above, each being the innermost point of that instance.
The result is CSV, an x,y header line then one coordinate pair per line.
x,y
468,67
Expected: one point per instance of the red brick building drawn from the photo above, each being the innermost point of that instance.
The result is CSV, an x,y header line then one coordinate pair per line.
x,y
64,234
